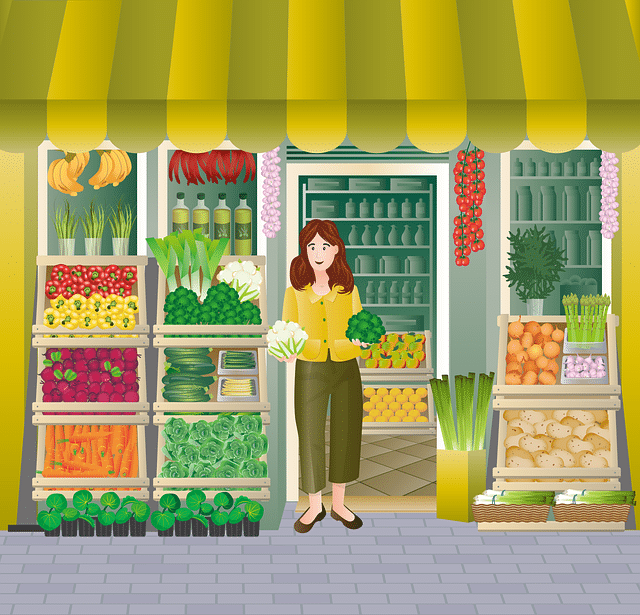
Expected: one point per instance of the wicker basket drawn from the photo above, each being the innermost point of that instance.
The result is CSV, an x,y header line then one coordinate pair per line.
x,y
591,512
510,513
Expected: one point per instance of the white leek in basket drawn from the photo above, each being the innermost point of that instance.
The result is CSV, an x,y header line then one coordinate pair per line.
x,y
491,496
286,339
245,277
575,496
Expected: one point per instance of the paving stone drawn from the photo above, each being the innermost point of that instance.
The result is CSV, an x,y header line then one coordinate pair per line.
x,y
109,550
81,558
22,598
611,588
320,549
436,588
461,559
276,609
49,588
165,588
189,578
246,599
98,609
388,609
565,609
123,588
383,568
615,609
556,588
160,568
205,588
336,609
377,550
416,599
127,578
296,559
446,609
546,568
567,539
136,558
571,558
628,598
329,588
9,569
357,599
520,578
510,539
386,588
389,540
246,578
456,540
25,559
162,549
268,568
484,549
74,598
505,609
298,598
8,588
524,598
157,609
359,540
243,559
488,568
468,578
499,588
49,568
411,578
544,550
24,578
629,577
215,549
130,598
271,588
474,598
53,609
215,609
413,522
590,598
599,549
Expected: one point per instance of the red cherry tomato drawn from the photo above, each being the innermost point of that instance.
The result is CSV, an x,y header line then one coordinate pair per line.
x,y
469,159
472,177
458,178
479,222
474,247
465,261
479,154
466,220
458,252
480,175
463,208
478,212
457,189
479,234
466,180
460,199
457,220
480,164
457,242
466,190
466,241
480,244
459,262
457,232
461,155
467,169
466,250
458,167
473,227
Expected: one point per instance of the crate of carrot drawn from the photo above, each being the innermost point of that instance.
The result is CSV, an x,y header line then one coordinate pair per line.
x,y
102,456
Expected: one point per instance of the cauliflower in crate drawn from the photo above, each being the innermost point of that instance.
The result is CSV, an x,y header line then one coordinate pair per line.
x,y
244,277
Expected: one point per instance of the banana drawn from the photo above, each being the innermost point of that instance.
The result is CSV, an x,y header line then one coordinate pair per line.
x,y
76,164
106,166
50,173
127,161
120,169
60,179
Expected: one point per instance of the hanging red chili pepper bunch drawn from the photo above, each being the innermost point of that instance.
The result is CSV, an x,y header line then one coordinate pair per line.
x,y
470,190
216,164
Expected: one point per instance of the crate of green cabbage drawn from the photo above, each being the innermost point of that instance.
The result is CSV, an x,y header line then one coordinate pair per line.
x,y
188,375
238,362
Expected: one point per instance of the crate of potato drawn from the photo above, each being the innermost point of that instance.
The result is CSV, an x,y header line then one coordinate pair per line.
x,y
547,449
406,407
531,359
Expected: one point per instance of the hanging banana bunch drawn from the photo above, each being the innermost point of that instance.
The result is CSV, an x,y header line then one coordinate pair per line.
x,y
115,166
64,172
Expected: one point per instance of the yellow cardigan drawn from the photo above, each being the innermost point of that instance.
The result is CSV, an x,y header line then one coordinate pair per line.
x,y
325,321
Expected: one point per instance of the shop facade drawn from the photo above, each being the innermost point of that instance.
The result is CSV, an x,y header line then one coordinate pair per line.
x,y
370,111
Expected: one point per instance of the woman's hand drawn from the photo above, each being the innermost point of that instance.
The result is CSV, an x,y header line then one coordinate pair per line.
x,y
291,359
361,344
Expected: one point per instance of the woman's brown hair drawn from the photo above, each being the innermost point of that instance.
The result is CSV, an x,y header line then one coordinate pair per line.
x,y
301,272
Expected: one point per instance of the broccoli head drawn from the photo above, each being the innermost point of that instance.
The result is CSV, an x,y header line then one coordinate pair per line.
x,y
366,327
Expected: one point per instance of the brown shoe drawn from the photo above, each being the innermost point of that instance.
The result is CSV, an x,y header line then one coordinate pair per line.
x,y
303,528
352,525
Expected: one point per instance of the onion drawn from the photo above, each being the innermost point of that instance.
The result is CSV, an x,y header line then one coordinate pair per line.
x,y
551,350
512,378
557,335
527,340
530,378
542,362
546,378
516,329
552,367
546,329
535,351
514,347
532,327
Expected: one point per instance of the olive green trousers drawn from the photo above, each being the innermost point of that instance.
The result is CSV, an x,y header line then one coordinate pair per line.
x,y
315,382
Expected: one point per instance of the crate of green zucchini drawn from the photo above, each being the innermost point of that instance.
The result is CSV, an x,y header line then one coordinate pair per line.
x,y
198,308
212,452
211,380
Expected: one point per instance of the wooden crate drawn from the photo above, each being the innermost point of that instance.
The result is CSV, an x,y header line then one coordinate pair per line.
x,y
164,485
261,302
214,406
423,372
140,418
141,406
557,390
45,265
527,478
402,428
39,341
40,483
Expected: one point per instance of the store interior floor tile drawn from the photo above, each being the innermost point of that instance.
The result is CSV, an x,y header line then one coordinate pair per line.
x,y
392,466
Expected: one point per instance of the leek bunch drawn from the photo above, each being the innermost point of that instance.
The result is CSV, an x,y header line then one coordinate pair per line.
x,y
121,221
194,255
573,496
465,439
586,325
490,496
65,222
93,222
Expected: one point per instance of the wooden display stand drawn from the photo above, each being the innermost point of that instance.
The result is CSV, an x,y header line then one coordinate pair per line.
x,y
556,403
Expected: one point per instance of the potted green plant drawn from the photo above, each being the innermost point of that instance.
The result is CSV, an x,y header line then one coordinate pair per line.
x,y
196,501
138,523
219,517
65,224
123,515
254,511
121,223
50,520
69,525
106,518
536,265
88,509
164,520
93,224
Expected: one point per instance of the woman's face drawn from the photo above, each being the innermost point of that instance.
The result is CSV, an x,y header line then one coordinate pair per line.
x,y
321,253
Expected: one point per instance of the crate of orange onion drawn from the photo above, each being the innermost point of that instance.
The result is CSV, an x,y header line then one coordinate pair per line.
x,y
99,457
402,406
531,358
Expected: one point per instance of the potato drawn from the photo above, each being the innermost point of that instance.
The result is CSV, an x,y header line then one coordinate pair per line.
x,y
576,445
584,416
562,443
510,415
531,416
558,415
598,441
548,440
587,460
548,414
558,430
596,429
513,431
605,454
514,440
568,458
573,423
541,427
531,444
605,424
580,431
518,458
600,415
542,459
524,425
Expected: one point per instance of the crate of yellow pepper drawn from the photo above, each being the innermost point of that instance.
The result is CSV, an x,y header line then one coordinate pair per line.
x,y
91,301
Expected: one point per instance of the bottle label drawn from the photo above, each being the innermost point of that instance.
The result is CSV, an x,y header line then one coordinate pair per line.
x,y
204,227
180,226
242,230
222,231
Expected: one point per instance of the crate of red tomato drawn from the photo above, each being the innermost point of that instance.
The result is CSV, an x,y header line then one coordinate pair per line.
x,y
91,300
90,381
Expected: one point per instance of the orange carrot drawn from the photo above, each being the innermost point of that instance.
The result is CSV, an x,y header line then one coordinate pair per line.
x,y
134,463
94,446
59,435
102,442
50,473
49,446
78,465
68,432
82,455
119,438
77,438
108,459
125,468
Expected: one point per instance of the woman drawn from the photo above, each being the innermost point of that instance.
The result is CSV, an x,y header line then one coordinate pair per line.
x,y
321,299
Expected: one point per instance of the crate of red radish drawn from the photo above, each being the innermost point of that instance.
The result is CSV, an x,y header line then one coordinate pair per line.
x,y
111,377
112,515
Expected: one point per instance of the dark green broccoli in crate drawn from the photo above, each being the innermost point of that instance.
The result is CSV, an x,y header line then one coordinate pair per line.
x,y
366,327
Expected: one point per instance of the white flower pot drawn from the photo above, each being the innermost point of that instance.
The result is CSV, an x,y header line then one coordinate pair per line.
x,y
120,246
534,307
67,247
92,246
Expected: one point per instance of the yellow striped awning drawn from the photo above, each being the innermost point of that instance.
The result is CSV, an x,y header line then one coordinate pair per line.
x,y
317,71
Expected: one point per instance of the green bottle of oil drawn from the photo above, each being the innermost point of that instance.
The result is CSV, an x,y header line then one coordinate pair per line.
x,y
222,221
201,217
242,227
180,215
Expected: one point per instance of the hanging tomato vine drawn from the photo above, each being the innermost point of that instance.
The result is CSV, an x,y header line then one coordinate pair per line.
x,y
470,190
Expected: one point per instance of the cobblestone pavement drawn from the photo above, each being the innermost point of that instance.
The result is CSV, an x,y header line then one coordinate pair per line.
x,y
395,564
